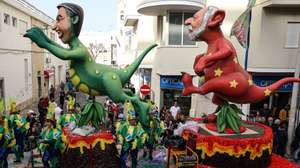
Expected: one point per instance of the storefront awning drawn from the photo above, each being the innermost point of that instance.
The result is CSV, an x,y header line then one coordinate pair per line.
x,y
48,73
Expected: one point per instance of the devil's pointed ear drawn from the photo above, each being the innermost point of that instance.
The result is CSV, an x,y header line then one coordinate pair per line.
x,y
75,19
216,19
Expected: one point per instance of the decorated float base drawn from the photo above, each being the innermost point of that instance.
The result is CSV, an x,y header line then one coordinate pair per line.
x,y
97,150
251,149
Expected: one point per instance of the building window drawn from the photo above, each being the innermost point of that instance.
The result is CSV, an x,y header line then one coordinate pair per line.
x,y
6,19
14,21
292,35
178,33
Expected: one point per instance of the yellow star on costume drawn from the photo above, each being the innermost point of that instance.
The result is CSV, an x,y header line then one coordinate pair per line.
x,y
235,60
233,84
267,92
218,72
250,82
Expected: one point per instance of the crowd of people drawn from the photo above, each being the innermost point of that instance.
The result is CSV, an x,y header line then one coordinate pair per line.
x,y
42,129
277,119
24,131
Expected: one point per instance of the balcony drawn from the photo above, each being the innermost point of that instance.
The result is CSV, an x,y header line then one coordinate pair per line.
x,y
131,20
160,7
279,3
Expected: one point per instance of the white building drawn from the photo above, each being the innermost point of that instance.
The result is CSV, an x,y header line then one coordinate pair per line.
x,y
104,45
16,52
143,22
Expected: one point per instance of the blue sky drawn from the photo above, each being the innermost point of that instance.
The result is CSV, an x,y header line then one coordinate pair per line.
x,y
99,15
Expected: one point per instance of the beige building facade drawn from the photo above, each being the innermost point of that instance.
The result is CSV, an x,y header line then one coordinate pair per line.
x,y
162,22
24,67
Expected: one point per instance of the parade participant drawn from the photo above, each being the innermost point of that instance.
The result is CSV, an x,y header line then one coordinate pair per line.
x,y
132,137
50,143
6,137
20,127
71,103
153,133
51,108
67,119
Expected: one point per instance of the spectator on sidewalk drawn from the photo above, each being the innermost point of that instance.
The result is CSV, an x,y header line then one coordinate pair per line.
x,y
174,109
265,112
52,92
281,139
283,114
42,108
62,97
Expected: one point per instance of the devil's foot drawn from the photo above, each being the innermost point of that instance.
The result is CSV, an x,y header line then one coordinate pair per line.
x,y
188,84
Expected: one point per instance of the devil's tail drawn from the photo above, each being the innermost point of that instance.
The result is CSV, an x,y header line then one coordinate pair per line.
x,y
281,82
256,93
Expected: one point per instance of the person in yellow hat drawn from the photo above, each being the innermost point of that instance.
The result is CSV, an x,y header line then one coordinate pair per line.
x,y
6,136
50,143
20,127
132,137
71,103
153,132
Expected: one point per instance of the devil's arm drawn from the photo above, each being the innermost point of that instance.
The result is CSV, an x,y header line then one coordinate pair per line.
x,y
66,54
223,52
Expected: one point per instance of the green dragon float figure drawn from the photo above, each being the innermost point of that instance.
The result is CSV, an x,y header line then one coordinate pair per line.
x,y
86,75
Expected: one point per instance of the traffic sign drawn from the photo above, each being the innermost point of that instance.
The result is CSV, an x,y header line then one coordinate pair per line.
x,y
145,89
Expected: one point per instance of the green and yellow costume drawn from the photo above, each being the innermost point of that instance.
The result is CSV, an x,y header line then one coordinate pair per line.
x,y
51,144
131,136
20,127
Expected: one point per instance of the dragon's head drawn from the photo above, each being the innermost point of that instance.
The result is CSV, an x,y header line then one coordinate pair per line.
x,y
68,21
204,21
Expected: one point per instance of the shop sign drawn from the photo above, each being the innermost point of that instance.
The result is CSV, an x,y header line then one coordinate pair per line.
x,y
171,82
264,81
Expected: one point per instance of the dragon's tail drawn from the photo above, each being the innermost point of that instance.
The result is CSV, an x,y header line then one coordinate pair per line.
x,y
257,93
126,73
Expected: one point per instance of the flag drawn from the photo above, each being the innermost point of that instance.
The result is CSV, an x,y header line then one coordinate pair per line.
x,y
241,26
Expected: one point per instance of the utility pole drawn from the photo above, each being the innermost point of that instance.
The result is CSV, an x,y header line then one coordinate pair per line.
x,y
294,103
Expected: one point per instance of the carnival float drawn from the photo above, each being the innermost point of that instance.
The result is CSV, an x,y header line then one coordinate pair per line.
x,y
225,140
95,148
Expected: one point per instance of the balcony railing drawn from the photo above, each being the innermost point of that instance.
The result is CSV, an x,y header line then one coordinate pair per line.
x,y
160,7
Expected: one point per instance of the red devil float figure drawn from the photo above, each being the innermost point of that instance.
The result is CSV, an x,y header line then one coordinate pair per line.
x,y
223,74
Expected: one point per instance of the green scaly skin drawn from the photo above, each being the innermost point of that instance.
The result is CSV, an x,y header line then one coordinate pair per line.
x,y
90,77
